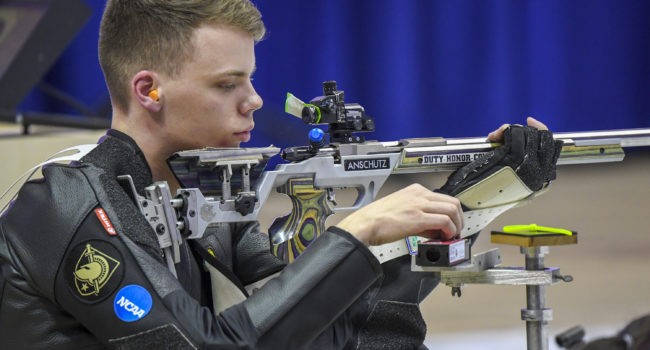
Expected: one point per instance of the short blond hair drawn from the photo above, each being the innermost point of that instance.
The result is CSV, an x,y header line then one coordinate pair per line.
x,y
156,35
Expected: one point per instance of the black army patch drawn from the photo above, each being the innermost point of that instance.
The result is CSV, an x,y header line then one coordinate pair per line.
x,y
93,269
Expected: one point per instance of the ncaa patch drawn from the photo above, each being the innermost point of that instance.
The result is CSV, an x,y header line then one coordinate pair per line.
x,y
93,270
132,303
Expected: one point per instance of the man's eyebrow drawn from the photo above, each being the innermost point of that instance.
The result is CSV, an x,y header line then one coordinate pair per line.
x,y
235,73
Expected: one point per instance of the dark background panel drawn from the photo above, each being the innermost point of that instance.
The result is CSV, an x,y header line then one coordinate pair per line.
x,y
427,67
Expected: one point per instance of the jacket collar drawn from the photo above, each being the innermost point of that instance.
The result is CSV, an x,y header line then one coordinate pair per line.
x,y
118,154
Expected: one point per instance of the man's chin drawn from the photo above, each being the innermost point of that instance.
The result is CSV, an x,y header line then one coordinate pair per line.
x,y
229,145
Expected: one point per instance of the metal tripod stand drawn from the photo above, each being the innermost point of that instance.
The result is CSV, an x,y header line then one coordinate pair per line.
x,y
482,269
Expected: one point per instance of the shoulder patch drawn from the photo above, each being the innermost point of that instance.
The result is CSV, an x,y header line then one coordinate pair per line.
x,y
93,270
132,303
105,221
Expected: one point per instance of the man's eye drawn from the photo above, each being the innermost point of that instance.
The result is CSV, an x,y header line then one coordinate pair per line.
x,y
227,86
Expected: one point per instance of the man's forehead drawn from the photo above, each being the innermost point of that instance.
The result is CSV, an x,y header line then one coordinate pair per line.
x,y
223,50
208,33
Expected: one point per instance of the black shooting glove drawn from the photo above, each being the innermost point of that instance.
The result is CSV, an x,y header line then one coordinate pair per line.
x,y
530,152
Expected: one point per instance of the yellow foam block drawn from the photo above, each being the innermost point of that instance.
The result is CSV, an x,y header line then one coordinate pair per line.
x,y
533,239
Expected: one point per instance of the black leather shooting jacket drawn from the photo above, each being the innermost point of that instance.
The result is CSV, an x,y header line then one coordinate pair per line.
x,y
80,267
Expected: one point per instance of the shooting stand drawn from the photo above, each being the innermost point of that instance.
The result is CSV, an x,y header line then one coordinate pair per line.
x,y
482,269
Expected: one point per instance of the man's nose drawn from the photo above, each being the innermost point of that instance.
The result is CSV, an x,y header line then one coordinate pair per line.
x,y
253,102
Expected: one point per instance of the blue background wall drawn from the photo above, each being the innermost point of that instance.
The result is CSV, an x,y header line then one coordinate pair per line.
x,y
452,68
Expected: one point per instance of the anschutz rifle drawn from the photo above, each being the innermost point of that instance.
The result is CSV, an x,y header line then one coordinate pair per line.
x,y
231,185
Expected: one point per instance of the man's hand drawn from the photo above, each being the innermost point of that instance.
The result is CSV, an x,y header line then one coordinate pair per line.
x,y
413,210
497,135
530,151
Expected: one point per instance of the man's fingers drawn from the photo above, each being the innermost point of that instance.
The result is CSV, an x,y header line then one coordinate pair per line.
x,y
440,215
454,213
442,227
497,135
536,123
439,203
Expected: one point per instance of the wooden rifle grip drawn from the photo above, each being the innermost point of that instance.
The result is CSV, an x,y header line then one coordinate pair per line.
x,y
305,222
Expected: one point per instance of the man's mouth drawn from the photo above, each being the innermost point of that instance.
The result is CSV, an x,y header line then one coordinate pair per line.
x,y
244,136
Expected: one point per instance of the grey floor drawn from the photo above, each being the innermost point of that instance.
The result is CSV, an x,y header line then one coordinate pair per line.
x,y
608,204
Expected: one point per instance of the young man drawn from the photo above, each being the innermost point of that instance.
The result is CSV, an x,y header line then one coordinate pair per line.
x,y
82,268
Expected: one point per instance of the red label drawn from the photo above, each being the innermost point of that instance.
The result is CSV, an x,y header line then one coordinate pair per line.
x,y
106,222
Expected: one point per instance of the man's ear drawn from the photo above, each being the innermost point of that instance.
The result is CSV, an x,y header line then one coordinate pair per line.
x,y
144,86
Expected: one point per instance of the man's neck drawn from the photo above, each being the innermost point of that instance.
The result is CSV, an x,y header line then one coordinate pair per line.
x,y
154,153
161,172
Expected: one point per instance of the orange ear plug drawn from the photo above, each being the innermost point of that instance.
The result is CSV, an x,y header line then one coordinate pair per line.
x,y
154,95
